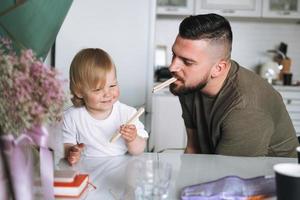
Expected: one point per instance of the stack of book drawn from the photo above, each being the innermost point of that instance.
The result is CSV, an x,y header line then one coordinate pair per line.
x,y
69,184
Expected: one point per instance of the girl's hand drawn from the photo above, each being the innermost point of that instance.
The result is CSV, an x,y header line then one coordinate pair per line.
x,y
74,153
128,132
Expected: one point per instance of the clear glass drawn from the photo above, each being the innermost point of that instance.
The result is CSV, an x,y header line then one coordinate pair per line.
x,y
152,180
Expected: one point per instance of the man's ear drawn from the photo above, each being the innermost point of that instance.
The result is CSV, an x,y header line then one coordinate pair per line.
x,y
219,69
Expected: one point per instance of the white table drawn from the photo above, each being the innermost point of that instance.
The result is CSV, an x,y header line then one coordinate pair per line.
x,y
114,177
189,169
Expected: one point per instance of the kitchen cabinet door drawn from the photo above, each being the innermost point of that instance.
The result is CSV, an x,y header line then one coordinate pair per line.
x,y
230,8
175,7
167,130
291,98
289,9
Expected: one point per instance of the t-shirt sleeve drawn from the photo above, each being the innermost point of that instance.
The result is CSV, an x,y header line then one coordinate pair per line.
x,y
69,129
245,133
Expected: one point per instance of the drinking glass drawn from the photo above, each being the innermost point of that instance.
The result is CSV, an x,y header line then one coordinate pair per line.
x,y
152,180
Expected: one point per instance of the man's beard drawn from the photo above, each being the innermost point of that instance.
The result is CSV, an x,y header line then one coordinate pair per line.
x,y
185,90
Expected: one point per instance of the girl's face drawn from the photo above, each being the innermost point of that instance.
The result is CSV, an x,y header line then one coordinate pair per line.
x,y
99,101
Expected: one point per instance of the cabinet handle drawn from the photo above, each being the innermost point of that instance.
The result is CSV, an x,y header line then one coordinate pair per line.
x,y
228,11
286,13
171,9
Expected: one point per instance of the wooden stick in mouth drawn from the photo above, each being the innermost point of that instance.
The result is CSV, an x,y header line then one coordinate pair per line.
x,y
163,84
130,121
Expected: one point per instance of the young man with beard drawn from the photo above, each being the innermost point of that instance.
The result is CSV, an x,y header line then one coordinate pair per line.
x,y
226,108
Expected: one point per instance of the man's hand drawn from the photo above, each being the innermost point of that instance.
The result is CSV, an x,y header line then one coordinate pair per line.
x,y
74,153
128,132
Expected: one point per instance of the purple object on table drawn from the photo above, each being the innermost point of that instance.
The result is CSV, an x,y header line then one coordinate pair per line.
x,y
231,187
21,164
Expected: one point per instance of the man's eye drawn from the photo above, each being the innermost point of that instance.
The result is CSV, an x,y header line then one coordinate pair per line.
x,y
113,86
187,63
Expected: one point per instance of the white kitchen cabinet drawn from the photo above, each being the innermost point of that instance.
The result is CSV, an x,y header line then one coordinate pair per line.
x,y
281,9
175,7
229,8
167,130
291,98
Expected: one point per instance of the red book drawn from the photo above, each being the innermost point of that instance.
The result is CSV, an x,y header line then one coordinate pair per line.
x,y
72,189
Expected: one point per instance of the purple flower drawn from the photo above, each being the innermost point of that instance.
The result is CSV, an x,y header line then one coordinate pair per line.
x,y
31,94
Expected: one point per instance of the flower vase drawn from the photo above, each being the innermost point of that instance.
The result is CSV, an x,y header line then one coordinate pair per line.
x,y
4,180
17,154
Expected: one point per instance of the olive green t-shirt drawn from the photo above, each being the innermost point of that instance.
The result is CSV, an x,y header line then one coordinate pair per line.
x,y
246,118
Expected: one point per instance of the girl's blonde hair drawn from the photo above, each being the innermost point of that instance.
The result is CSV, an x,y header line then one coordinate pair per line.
x,y
88,70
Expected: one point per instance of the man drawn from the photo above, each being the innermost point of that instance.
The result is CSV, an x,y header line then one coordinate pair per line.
x,y
226,108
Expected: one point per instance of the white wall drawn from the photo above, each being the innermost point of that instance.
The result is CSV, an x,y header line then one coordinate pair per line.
x,y
251,39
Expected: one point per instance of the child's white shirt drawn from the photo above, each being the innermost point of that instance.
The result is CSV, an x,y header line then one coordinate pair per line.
x,y
79,126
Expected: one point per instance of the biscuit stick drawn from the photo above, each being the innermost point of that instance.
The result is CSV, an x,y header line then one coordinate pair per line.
x,y
163,84
130,121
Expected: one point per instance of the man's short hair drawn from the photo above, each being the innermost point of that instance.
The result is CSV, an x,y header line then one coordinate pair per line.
x,y
212,27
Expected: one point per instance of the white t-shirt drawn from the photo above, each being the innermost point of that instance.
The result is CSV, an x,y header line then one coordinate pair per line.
x,y
79,126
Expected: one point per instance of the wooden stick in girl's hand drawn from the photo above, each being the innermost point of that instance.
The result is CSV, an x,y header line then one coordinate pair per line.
x,y
163,84
130,121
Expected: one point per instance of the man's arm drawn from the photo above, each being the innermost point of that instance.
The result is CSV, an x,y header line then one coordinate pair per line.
x,y
192,146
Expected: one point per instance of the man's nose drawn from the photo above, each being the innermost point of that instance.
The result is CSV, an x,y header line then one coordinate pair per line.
x,y
175,66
